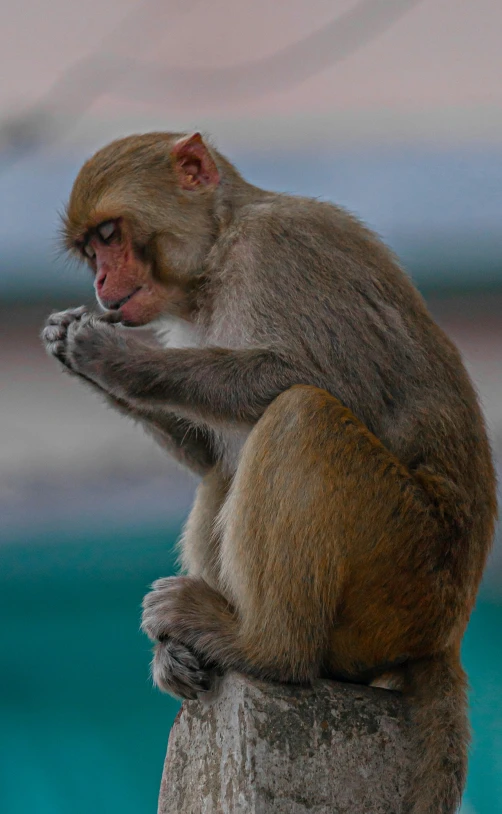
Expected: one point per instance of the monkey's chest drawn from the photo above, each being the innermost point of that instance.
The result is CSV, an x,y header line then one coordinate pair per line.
x,y
175,333
229,332
228,444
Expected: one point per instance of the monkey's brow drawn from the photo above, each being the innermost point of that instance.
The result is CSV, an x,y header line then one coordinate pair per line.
x,y
80,242
86,235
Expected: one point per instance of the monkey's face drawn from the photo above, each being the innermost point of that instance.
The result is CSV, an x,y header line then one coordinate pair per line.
x,y
139,215
123,278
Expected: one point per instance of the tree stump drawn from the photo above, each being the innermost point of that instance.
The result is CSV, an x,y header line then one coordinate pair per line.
x,y
256,748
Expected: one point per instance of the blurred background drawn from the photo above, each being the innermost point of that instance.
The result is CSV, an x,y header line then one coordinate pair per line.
x,y
392,108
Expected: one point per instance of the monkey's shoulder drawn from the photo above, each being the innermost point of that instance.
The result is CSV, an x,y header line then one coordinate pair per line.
x,y
288,231
277,213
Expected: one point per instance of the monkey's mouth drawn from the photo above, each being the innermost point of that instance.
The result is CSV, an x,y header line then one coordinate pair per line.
x,y
138,308
115,306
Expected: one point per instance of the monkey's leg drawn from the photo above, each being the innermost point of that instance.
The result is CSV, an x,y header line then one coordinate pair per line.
x,y
281,561
335,560
328,555
200,541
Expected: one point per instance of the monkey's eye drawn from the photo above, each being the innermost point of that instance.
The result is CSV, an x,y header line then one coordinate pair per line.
x,y
106,230
89,251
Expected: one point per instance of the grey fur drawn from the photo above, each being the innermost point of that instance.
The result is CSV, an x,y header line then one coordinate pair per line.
x,y
284,291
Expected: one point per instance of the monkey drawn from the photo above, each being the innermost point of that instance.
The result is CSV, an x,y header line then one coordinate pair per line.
x,y
347,500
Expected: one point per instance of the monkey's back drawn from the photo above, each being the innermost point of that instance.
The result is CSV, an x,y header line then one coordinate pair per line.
x,y
344,314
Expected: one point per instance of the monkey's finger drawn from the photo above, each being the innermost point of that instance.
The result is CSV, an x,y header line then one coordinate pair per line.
x,y
53,333
77,312
57,318
58,350
65,317
111,317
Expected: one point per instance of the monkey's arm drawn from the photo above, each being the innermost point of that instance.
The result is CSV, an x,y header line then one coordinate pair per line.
x,y
181,438
185,441
217,383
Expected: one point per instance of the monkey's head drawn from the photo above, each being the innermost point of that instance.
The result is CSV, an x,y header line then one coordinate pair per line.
x,y
141,214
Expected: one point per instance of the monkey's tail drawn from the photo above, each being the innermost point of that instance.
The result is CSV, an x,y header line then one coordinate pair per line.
x,y
436,690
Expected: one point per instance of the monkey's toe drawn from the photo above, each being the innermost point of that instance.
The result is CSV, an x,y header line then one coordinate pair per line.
x,y
52,333
178,671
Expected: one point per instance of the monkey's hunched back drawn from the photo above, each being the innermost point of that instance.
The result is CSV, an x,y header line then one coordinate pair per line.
x,y
348,499
312,281
309,279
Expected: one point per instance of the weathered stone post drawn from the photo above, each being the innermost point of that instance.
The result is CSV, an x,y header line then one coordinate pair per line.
x,y
257,748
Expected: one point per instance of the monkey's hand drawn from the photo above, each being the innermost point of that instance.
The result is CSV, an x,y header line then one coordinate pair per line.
x,y
176,669
82,342
55,333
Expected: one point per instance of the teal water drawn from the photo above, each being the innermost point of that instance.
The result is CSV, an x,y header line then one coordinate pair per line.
x,y
81,727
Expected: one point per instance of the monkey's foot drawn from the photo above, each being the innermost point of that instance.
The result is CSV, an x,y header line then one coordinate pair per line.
x,y
178,671
186,610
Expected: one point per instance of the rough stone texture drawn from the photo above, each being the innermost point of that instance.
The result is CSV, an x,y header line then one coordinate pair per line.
x,y
257,748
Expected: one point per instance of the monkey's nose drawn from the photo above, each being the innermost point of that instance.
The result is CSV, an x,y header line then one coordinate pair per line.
x,y
100,281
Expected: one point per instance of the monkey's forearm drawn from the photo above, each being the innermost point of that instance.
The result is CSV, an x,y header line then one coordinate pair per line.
x,y
235,385
74,336
183,440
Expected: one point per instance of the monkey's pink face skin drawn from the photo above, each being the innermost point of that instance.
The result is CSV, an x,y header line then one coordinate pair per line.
x,y
123,281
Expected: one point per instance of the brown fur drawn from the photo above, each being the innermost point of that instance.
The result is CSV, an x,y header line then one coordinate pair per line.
x,y
348,503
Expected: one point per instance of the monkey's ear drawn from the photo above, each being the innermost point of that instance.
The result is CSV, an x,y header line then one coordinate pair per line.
x,y
193,163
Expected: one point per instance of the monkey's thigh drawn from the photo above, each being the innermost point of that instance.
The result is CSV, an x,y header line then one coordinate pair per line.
x,y
327,543
200,541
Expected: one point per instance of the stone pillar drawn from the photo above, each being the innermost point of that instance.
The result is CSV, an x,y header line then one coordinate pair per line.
x,y
257,748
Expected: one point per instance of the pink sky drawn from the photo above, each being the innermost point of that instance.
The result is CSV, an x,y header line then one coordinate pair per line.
x,y
442,53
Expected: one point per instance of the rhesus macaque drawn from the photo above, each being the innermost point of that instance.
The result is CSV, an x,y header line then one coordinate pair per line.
x,y
347,503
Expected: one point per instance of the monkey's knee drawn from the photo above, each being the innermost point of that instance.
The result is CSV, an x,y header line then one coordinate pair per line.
x,y
300,422
301,405
300,435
